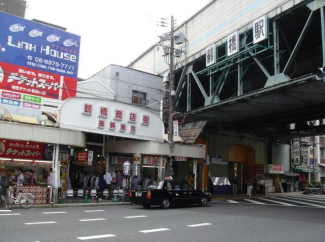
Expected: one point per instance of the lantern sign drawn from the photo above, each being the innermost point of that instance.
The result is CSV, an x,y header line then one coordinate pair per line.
x,y
127,168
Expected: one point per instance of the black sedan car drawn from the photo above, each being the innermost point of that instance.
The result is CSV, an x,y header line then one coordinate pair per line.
x,y
167,193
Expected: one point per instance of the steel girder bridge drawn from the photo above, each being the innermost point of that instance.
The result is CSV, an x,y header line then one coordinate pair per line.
x,y
265,88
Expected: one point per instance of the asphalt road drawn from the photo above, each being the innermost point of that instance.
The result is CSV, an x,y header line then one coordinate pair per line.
x,y
219,221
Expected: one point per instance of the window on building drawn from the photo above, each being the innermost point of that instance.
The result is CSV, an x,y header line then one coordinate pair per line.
x,y
139,98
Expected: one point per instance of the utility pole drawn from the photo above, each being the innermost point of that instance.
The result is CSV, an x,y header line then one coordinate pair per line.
x,y
170,99
171,55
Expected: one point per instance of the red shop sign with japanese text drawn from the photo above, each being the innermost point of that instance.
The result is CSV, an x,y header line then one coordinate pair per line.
x,y
21,150
34,82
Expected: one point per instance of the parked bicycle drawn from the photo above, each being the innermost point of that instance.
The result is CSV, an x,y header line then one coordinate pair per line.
x,y
25,200
126,195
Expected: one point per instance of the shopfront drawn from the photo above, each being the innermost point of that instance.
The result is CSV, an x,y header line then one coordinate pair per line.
x,y
29,166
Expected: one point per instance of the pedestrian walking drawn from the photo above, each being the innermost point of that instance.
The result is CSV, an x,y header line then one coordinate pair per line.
x,y
234,184
262,188
135,183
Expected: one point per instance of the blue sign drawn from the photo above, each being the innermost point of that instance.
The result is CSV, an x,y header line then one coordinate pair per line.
x,y
10,102
30,44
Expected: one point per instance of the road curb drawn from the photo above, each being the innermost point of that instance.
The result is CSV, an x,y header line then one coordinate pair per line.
x,y
74,205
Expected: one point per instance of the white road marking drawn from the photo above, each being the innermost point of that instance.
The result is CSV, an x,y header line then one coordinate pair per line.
x,y
9,214
198,225
5,211
93,219
310,200
311,196
252,201
153,230
232,201
314,205
97,236
139,216
93,211
286,204
53,212
49,222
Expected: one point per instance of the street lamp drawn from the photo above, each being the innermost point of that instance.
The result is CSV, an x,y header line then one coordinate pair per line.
x,y
171,56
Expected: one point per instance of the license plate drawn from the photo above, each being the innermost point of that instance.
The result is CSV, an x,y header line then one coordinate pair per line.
x,y
138,194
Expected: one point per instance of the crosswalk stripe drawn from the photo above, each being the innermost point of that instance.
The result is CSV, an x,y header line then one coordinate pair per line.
x,y
310,200
252,201
232,201
310,204
286,204
5,211
313,197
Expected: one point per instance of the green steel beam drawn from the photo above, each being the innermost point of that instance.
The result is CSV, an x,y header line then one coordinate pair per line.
x,y
276,48
181,84
260,65
189,92
200,85
220,85
301,37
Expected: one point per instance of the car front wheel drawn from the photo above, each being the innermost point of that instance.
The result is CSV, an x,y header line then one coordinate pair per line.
x,y
203,201
165,203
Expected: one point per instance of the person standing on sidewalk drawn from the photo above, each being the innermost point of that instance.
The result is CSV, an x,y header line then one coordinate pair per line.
x,y
249,187
262,188
234,184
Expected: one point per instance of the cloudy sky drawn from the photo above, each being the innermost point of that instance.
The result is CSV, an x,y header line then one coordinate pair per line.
x,y
112,31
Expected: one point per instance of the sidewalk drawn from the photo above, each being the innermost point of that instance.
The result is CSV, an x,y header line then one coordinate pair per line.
x,y
77,202
223,197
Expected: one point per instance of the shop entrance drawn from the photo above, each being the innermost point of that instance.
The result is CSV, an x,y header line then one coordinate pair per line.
x,y
242,164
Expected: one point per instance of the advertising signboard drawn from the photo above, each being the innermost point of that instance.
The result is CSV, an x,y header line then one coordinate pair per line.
x,y
82,158
21,150
275,169
37,60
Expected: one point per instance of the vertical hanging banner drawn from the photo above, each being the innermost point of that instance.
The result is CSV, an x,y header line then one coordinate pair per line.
x,y
175,129
296,151
260,29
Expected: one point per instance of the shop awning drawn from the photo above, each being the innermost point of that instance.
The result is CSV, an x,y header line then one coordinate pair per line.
x,y
322,165
306,170
154,148
290,173
44,134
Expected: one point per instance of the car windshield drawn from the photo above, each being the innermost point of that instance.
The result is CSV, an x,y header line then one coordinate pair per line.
x,y
155,185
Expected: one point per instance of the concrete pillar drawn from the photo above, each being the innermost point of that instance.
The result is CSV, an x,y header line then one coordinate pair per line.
x,y
317,175
56,170
195,171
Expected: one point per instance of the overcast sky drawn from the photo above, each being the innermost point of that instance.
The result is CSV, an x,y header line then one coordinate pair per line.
x,y
112,31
